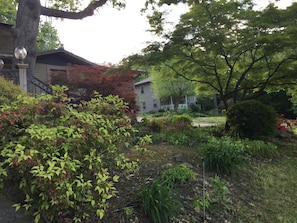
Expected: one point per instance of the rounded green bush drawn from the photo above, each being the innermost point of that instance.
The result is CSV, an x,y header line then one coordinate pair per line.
x,y
252,119
9,91
178,122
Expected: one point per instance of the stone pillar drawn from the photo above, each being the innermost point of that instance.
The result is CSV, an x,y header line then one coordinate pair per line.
x,y
23,75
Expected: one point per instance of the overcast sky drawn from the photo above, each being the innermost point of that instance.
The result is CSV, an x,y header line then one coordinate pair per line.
x,y
112,34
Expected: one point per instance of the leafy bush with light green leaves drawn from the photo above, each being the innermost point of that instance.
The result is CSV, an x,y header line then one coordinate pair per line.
x,y
177,174
64,157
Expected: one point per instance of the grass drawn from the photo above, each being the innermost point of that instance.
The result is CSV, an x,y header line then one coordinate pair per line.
x,y
216,119
211,119
273,185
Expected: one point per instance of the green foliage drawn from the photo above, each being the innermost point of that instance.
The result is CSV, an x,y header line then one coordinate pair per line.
x,y
217,197
166,84
189,137
221,192
178,174
210,47
223,155
199,203
169,122
226,155
179,137
280,101
9,92
158,202
155,125
261,149
64,157
252,119
8,12
293,98
158,198
47,38
178,122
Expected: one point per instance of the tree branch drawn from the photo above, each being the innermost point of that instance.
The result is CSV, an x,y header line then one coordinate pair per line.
x,y
88,11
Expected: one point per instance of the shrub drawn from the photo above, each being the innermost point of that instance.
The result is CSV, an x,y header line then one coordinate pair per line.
x,y
178,122
9,91
63,157
223,155
155,125
251,119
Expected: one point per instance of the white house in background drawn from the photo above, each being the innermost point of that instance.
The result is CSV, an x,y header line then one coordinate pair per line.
x,y
146,99
148,102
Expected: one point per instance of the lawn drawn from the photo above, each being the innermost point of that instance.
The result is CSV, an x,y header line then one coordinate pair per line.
x,y
211,119
271,188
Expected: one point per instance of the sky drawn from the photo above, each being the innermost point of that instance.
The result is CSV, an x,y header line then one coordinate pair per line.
x,y
113,34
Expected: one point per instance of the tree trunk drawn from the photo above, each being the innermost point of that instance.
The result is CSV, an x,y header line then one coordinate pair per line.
x,y
26,30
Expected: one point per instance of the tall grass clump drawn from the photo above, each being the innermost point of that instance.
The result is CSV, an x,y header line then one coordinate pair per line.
x,y
223,155
260,149
158,202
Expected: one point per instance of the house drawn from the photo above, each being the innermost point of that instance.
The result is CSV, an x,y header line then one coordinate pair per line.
x,y
56,61
6,45
46,62
148,102
146,99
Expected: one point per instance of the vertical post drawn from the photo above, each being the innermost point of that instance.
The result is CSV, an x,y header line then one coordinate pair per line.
x,y
23,75
203,187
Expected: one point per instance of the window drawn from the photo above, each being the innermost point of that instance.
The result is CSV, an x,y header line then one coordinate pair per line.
x,y
57,70
142,90
155,103
143,105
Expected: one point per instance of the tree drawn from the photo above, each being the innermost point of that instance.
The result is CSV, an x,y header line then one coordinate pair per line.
x,y
8,12
82,81
28,17
293,99
166,84
48,38
228,48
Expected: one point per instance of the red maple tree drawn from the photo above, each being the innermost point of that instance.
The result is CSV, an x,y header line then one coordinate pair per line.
x,y
82,81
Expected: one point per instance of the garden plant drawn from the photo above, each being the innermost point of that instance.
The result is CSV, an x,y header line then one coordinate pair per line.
x,y
65,158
